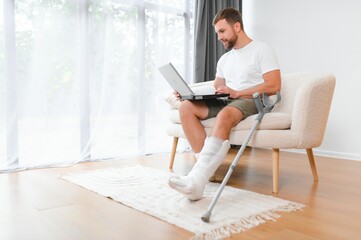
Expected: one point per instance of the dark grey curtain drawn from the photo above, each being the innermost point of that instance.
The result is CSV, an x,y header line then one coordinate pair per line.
x,y
207,48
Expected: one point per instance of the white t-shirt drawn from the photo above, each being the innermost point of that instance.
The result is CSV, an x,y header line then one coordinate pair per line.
x,y
243,68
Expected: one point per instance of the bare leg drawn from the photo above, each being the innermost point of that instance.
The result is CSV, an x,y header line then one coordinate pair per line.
x,y
191,113
226,120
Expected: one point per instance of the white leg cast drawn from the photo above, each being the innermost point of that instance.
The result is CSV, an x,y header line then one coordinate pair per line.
x,y
211,156
213,177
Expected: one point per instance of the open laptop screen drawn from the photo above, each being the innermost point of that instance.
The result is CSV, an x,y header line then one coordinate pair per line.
x,y
176,81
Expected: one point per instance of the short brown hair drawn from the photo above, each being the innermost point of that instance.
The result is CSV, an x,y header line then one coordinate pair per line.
x,y
231,15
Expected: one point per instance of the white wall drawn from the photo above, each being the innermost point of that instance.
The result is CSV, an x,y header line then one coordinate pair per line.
x,y
318,36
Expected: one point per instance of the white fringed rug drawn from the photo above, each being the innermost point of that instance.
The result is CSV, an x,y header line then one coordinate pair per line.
x,y
146,190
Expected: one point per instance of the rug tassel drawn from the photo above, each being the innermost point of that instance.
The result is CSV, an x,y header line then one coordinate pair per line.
x,y
247,223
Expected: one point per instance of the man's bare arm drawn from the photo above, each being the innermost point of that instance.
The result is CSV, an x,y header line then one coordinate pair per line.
x,y
271,85
219,82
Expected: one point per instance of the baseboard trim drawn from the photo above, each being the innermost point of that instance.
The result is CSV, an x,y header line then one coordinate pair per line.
x,y
331,154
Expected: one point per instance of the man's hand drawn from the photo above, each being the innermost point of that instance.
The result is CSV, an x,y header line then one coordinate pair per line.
x,y
177,95
224,89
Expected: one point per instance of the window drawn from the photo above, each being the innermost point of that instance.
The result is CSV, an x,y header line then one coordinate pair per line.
x,y
87,81
2,91
46,81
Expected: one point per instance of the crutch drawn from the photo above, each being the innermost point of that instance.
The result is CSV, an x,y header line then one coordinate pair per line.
x,y
262,108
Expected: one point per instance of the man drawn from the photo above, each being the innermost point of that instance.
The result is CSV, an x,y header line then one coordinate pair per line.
x,y
250,66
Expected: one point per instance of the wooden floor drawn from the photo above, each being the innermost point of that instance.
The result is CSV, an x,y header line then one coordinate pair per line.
x,y
39,205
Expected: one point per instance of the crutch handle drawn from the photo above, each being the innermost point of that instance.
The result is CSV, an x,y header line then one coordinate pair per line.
x,y
259,105
258,101
268,104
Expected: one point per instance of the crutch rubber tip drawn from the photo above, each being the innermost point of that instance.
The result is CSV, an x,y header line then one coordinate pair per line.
x,y
206,217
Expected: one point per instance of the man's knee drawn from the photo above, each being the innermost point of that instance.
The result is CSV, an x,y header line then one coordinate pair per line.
x,y
197,109
229,115
186,107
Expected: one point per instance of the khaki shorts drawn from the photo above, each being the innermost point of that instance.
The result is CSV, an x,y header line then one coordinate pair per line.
x,y
246,106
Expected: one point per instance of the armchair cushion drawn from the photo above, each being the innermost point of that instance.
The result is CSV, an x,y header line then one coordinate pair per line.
x,y
270,121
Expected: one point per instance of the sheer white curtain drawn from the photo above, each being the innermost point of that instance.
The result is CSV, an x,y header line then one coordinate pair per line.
x,y
2,92
85,85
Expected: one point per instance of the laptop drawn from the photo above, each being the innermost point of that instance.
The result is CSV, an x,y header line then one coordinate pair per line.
x,y
176,81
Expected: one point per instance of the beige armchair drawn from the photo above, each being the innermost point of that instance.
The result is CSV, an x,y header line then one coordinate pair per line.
x,y
297,122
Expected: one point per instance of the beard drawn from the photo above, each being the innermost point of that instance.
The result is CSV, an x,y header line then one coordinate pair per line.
x,y
229,44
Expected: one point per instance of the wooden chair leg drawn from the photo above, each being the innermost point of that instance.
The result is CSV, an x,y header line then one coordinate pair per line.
x,y
174,150
311,159
276,163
